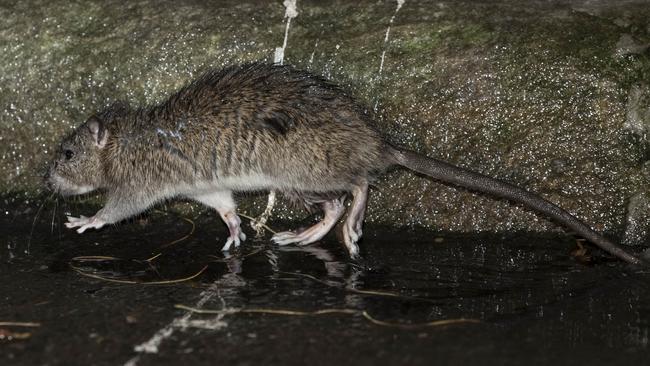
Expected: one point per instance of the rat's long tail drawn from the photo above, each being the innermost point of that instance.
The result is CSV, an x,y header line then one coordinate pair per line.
x,y
454,175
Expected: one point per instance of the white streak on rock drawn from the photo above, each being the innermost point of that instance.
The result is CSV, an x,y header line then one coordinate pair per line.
x,y
290,13
400,3
258,223
311,57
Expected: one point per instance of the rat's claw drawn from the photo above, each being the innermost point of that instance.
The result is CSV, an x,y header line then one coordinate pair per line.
x,y
235,239
285,238
226,247
353,233
75,221
234,226
350,238
84,223
231,240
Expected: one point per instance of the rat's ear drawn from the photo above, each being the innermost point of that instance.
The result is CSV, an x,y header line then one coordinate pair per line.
x,y
98,131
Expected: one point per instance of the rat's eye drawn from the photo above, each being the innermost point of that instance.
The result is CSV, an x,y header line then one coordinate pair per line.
x,y
68,154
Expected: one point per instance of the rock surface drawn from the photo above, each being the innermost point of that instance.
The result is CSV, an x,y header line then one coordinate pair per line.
x,y
552,96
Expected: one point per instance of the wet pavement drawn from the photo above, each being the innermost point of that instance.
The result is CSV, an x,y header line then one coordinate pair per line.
x,y
128,295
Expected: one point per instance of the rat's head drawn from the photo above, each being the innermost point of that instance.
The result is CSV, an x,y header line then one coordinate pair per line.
x,y
77,167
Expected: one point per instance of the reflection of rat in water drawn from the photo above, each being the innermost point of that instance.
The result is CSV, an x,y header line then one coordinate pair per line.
x,y
250,128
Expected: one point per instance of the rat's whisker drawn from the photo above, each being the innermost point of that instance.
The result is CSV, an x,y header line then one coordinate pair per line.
x,y
56,206
38,213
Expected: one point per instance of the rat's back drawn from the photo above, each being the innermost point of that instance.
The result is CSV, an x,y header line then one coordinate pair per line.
x,y
261,126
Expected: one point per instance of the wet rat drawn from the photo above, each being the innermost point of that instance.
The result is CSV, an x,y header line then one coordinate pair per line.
x,y
256,127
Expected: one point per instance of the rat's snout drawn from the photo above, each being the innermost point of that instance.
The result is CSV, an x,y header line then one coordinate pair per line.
x,y
47,180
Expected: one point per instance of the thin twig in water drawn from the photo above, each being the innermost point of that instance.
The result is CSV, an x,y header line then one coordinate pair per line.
x,y
267,311
225,260
154,257
363,313
95,258
435,323
182,238
175,241
89,258
132,282
20,324
13,336
357,291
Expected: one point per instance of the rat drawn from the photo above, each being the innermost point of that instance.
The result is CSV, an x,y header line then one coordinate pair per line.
x,y
257,127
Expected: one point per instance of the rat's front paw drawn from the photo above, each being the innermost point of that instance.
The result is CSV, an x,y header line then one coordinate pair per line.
x,y
83,223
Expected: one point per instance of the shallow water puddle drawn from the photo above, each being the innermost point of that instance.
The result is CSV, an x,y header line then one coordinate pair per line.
x,y
159,290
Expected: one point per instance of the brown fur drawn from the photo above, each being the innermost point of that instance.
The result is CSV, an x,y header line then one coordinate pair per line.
x,y
255,118
306,133
254,127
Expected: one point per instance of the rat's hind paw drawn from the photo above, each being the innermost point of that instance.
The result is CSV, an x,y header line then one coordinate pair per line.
x,y
234,239
83,223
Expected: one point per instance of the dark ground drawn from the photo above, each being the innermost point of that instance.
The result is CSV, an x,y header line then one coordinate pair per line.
x,y
535,303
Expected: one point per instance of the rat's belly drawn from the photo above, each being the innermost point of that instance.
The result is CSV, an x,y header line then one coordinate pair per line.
x,y
251,182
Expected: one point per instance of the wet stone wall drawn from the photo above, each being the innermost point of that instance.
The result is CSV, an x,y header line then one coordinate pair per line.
x,y
552,96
